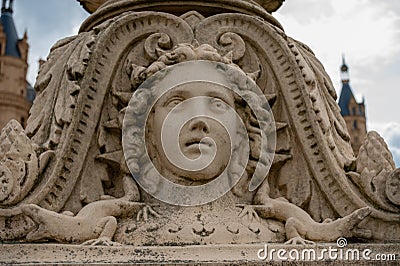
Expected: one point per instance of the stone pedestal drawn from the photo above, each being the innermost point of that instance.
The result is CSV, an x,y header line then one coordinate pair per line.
x,y
199,255
95,164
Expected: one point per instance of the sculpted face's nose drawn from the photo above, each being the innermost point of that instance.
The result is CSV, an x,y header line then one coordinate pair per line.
x,y
199,124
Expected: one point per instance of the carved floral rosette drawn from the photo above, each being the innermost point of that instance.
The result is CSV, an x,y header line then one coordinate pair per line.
x,y
89,79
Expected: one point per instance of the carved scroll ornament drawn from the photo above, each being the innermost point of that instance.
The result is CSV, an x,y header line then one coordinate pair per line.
x,y
76,121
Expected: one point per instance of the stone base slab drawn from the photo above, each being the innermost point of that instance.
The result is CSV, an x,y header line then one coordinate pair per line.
x,y
35,254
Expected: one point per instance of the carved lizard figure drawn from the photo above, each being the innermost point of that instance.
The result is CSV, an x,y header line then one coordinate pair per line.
x,y
95,224
300,227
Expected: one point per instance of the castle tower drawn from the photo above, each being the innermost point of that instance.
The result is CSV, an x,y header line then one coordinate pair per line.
x,y
352,111
16,94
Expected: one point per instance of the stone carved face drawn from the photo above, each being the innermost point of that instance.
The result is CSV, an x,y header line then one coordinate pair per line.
x,y
192,127
193,130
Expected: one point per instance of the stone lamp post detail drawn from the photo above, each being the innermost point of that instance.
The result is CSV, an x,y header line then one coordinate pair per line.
x,y
69,176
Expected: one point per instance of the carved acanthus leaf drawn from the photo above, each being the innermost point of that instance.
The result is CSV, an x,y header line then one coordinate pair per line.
x,y
374,154
374,166
19,165
57,89
323,97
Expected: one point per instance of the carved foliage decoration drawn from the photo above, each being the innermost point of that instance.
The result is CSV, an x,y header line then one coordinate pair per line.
x,y
309,96
268,54
58,89
375,175
237,37
88,80
19,164
148,35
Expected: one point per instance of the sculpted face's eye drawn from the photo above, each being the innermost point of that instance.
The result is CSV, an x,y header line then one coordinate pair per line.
x,y
174,102
218,104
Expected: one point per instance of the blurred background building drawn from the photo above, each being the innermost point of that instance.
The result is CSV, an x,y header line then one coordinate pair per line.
x,y
352,111
16,94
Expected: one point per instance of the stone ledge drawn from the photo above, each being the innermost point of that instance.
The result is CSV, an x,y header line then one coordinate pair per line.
x,y
195,255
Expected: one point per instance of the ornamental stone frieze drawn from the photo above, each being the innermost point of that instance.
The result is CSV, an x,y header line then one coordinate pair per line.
x,y
190,123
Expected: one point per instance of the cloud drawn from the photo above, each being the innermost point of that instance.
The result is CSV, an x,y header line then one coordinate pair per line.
x,y
47,21
352,27
396,156
378,83
368,32
311,10
389,7
391,134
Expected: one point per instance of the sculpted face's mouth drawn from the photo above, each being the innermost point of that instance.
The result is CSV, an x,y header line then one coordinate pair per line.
x,y
199,141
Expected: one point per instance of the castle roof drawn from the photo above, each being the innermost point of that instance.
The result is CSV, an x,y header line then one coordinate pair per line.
x,y
30,93
345,96
11,32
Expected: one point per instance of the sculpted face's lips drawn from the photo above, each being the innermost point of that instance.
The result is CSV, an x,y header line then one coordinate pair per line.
x,y
198,141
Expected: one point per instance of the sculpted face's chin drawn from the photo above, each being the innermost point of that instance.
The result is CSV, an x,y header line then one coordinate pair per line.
x,y
197,147
196,150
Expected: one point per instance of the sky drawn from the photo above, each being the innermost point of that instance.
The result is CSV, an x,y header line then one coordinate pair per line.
x,y
367,32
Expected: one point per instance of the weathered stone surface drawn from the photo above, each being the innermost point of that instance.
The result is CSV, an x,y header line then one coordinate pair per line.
x,y
98,171
188,255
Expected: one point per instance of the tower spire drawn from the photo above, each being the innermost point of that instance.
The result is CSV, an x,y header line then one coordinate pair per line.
x,y
4,7
344,71
352,111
